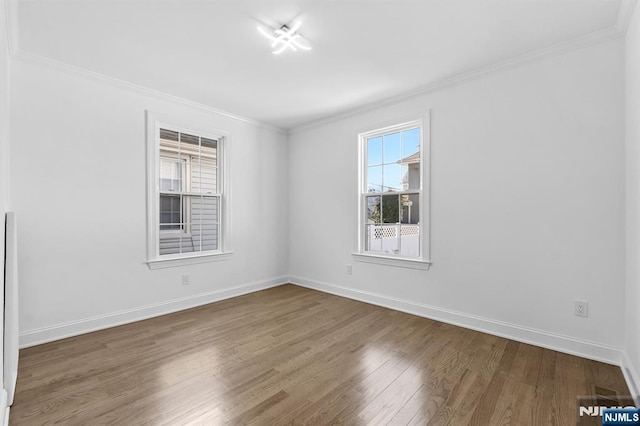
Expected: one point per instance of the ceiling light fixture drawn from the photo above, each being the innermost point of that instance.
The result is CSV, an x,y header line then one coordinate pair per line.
x,y
285,38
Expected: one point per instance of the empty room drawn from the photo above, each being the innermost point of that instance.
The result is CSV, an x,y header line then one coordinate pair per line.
x,y
320,212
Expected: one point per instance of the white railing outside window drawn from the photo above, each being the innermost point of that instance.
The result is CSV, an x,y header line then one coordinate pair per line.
x,y
395,239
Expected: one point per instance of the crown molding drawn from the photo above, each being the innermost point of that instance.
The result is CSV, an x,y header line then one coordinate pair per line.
x,y
12,17
590,39
95,76
625,12
624,15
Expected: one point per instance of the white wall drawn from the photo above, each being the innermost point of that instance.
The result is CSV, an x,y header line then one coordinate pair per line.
x,y
632,344
78,175
4,167
527,203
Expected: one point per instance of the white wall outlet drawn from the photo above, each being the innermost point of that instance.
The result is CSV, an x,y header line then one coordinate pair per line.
x,y
349,269
581,308
186,280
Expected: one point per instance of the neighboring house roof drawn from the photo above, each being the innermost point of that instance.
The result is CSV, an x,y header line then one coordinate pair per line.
x,y
412,159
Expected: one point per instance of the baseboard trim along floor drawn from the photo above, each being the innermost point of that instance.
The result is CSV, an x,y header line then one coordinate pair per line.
x,y
556,342
100,322
570,345
296,355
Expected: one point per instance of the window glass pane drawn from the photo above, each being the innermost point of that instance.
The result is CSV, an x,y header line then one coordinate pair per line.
x,y
169,212
203,209
410,142
208,144
410,240
390,209
206,233
404,173
374,151
391,148
170,175
209,151
373,238
392,177
373,209
164,218
168,135
204,177
412,176
189,139
374,179
411,159
193,146
410,208
388,237
203,215
193,174
165,204
170,243
170,184
383,238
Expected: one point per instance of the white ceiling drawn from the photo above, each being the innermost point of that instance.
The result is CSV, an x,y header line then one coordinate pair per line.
x,y
210,52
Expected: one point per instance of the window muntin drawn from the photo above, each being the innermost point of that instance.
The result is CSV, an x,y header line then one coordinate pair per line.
x,y
189,196
391,195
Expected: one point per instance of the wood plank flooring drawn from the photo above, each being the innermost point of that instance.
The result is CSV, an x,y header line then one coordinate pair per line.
x,y
290,355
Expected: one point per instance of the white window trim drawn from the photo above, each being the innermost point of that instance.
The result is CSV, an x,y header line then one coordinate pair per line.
x,y
360,254
403,262
155,121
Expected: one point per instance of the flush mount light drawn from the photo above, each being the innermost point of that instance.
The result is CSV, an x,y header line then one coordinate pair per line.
x,y
285,38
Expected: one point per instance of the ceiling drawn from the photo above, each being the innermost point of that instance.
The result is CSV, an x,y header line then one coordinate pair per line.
x,y
210,52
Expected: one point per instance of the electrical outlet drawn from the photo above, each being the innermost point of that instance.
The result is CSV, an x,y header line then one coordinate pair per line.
x,y
186,280
581,308
349,269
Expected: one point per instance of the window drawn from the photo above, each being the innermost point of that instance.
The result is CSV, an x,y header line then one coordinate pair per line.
x,y
170,181
186,193
392,196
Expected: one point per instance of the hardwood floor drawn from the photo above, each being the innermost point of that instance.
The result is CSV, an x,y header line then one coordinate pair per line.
x,y
292,355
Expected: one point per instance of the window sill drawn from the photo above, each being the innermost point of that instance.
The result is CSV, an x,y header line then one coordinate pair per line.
x,y
399,262
190,260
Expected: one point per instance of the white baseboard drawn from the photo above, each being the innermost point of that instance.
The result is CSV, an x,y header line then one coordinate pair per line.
x,y
557,342
632,377
4,409
100,322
